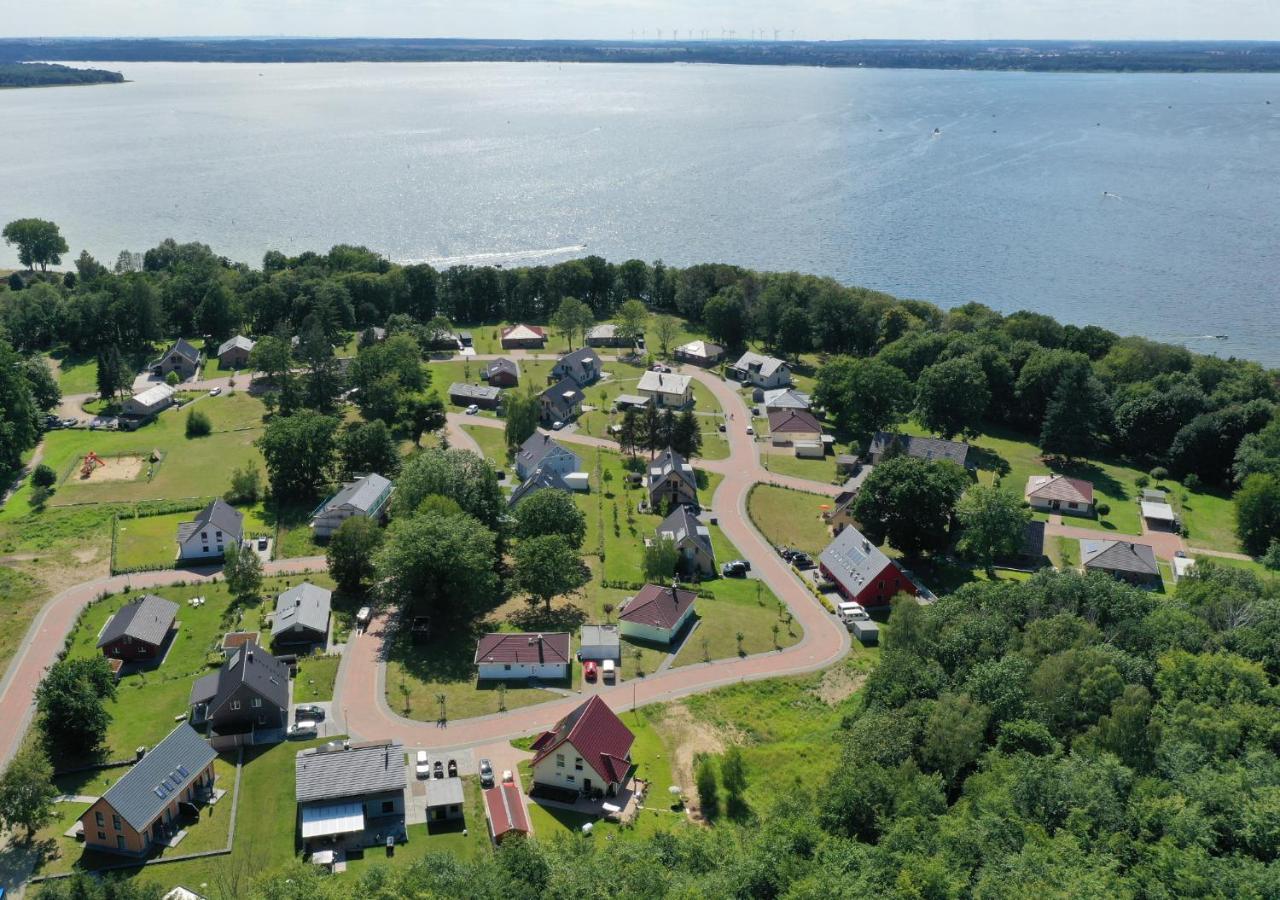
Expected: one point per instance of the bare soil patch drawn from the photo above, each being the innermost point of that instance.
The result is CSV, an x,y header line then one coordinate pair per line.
x,y
688,737
117,468
839,683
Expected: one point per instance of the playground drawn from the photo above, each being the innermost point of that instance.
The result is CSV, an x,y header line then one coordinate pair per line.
x,y
92,467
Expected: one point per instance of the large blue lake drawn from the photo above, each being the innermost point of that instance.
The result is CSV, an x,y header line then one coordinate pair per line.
x,y
1145,203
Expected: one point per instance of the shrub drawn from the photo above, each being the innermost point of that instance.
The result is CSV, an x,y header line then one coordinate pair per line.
x,y
1159,473
39,497
198,424
1191,482
1141,481
1104,509
43,476
1271,559
172,379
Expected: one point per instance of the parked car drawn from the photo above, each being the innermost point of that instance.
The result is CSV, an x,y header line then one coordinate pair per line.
x,y
659,367
486,773
309,711
263,543
422,769
215,392
722,427
589,670
507,777
70,423
608,670
453,768
556,426
438,769
786,553
472,409
735,569
362,617
802,560
304,728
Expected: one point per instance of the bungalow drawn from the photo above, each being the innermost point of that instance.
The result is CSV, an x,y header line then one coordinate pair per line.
x,y
562,402
140,811
587,750
540,480
214,529
861,572
840,514
150,402
501,373
526,337
367,497
181,358
656,614
302,616
700,353
139,630
671,481
667,390
482,395
793,428
606,334
785,398
761,371
249,694
508,655
505,811
599,642
692,540
1125,560
1059,494
582,367
540,451
234,353
927,448
351,792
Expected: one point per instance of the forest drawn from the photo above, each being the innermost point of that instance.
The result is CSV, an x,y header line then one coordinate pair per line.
x,y
23,75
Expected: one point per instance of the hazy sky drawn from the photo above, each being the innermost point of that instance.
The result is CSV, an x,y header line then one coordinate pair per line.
x,y
811,19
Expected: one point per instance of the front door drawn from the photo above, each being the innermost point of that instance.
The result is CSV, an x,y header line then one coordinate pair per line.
x,y
586,785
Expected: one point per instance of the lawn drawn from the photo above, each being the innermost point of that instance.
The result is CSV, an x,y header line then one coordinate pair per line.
x,y
493,445
76,374
791,518
152,540
784,461
22,597
315,679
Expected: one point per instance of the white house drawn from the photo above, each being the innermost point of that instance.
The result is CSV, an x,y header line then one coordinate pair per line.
x,y
539,451
657,613
1060,494
216,527
503,655
668,390
367,496
588,750
761,371
149,402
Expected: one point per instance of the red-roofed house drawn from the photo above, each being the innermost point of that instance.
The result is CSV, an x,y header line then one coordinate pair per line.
x,y
505,656
657,613
506,813
589,749
794,427
528,337
1060,494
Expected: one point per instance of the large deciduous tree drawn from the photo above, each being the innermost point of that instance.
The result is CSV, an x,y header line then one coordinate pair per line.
x,y
351,553
70,702
551,512
547,567
457,474
633,319
522,417
367,447
242,571
952,397
863,396
298,450
1258,513
1075,417
440,566
994,520
909,502
572,318
39,242
27,791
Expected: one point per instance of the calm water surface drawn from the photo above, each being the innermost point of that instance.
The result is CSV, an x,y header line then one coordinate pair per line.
x,y
1145,203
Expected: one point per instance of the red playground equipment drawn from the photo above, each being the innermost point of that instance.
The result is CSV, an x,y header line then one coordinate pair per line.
x,y
91,462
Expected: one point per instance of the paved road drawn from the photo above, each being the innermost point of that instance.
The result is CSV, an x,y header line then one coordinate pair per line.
x,y
48,632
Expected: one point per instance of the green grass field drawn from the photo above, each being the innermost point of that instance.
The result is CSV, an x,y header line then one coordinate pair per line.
x,y
23,596
152,540
790,517
783,461
493,445
76,374
315,679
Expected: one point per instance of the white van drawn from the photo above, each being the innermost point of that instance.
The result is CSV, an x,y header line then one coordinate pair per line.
x,y
850,610
608,671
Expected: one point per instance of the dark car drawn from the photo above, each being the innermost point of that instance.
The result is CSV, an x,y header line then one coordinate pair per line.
x,y
486,773
801,560
737,568
309,712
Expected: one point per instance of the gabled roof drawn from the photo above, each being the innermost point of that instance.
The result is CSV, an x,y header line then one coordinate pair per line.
x,y
1119,556
920,447
853,560
537,447
596,733
239,342
523,333
219,515
793,421
157,393
251,666
542,479
184,349
664,383
506,809
474,391
563,396
682,525
844,500
765,365
159,777
786,398
524,648
368,495
502,364
667,463
1059,487
349,770
306,605
147,620
578,359
661,607
700,349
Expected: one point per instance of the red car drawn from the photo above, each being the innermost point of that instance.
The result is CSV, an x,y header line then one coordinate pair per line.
x,y
589,670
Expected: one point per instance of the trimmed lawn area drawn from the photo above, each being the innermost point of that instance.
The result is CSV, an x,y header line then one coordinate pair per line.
x,y
783,461
315,679
23,597
76,374
152,540
493,444
1064,552
789,517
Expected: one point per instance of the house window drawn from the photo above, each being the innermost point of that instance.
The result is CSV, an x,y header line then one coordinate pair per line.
x,y
204,549
569,778
120,842
506,668
1071,505
577,763
559,760
255,702
235,704
99,819
115,823
102,835
388,806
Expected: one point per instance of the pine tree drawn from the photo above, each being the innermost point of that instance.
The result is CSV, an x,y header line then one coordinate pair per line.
x,y
686,438
1074,416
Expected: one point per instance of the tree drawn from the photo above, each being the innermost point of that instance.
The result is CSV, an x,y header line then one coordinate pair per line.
x,y
242,571
298,450
273,357
110,372
686,435
523,412
17,410
953,735
246,486
862,395
994,520
440,566
198,424
367,447
572,318
660,560
44,476
69,700
39,242
952,396
633,318
795,333
630,438
551,512
351,553
546,567
423,413
909,502
457,474
1075,416
708,791
665,329
44,387
27,791
725,316
1258,513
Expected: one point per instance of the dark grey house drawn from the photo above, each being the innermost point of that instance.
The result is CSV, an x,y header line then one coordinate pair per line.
x,y
562,402
929,448
248,695
140,630
582,367
1125,560
482,395
351,793
302,616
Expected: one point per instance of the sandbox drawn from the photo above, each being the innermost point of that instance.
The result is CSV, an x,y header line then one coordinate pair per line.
x,y
115,468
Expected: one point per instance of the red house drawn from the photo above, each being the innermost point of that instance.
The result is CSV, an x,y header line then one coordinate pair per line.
x,y
861,572
139,630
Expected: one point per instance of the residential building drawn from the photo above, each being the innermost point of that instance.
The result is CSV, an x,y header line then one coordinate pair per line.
x,y
793,427
234,353
1125,560
181,358
1059,494
541,451
215,528
861,572
444,799
234,640
927,448
540,480
562,402
599,642
504,808
141,812
700,353
249,694
501,373
656,614
840,514
351,792
368,497
302,616
523,337
582,367
139,630
692,540
150,402
482,395
606,334
507,655
785,398
666,389
671,481
588,750
760,371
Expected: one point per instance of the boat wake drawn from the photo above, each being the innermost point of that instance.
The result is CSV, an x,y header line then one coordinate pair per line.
x,y
497,256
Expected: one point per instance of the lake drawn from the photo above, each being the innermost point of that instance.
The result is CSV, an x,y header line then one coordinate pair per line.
x,y
1143,203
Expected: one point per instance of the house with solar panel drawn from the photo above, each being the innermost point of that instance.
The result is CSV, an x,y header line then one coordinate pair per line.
x,y
145,809
368,497
248,696
139,631
351,795
861,572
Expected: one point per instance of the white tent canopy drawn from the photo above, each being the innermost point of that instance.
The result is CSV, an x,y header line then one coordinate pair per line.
x,y
336,818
